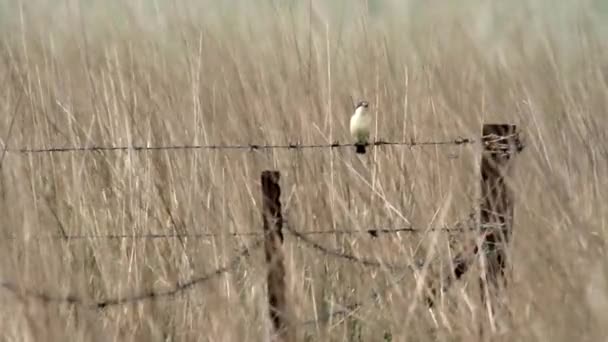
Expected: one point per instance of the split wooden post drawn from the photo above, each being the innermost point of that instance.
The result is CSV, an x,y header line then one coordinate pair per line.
x,y
500,143
273,248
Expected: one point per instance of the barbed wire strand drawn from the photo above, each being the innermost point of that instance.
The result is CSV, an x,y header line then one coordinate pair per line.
x,y
374,297
177,288
181,287
460,226
251,147
373,232
429,297
290,146
351,309
338,254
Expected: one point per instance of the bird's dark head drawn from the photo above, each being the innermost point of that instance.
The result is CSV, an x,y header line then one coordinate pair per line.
x,y
363,104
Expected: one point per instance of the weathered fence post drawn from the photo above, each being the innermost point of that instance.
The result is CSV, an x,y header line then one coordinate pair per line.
x,y
500,143
273,223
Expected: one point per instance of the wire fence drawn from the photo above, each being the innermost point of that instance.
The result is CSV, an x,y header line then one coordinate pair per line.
x,y
126,299
337,254
303,236
464,225
375,232
180,287
247,147
338,310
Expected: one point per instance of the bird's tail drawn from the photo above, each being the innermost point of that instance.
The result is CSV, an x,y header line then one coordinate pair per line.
x,y
360,149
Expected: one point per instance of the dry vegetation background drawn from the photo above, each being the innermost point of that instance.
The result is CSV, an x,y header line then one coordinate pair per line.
x,y
179,72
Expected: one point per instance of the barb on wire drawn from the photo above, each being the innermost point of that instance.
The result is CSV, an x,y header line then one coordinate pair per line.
x,y
246,147
178,288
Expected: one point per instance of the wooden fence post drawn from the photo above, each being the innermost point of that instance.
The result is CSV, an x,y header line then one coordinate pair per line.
x,y
273,223
500,143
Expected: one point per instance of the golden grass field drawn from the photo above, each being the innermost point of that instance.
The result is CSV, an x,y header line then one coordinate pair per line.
x,y
79,73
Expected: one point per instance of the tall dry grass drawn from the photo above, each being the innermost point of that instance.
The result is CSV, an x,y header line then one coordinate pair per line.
x,y
82,73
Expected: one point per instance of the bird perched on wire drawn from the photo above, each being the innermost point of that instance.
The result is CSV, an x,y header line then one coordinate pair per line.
x,y
360,124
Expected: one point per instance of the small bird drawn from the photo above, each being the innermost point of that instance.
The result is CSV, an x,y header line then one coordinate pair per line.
x,y
360,124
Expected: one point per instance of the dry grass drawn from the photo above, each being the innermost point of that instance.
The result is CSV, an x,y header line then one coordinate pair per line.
x,y
108,72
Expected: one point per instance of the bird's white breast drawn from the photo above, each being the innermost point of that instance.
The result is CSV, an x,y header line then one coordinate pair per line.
x,y
360,123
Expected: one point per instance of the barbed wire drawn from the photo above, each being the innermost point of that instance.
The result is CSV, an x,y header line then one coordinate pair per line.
x,y
249,147
361,260
288,146
350,309
376,295
179,287
347,310
374,232
458,265
338,254
418,265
